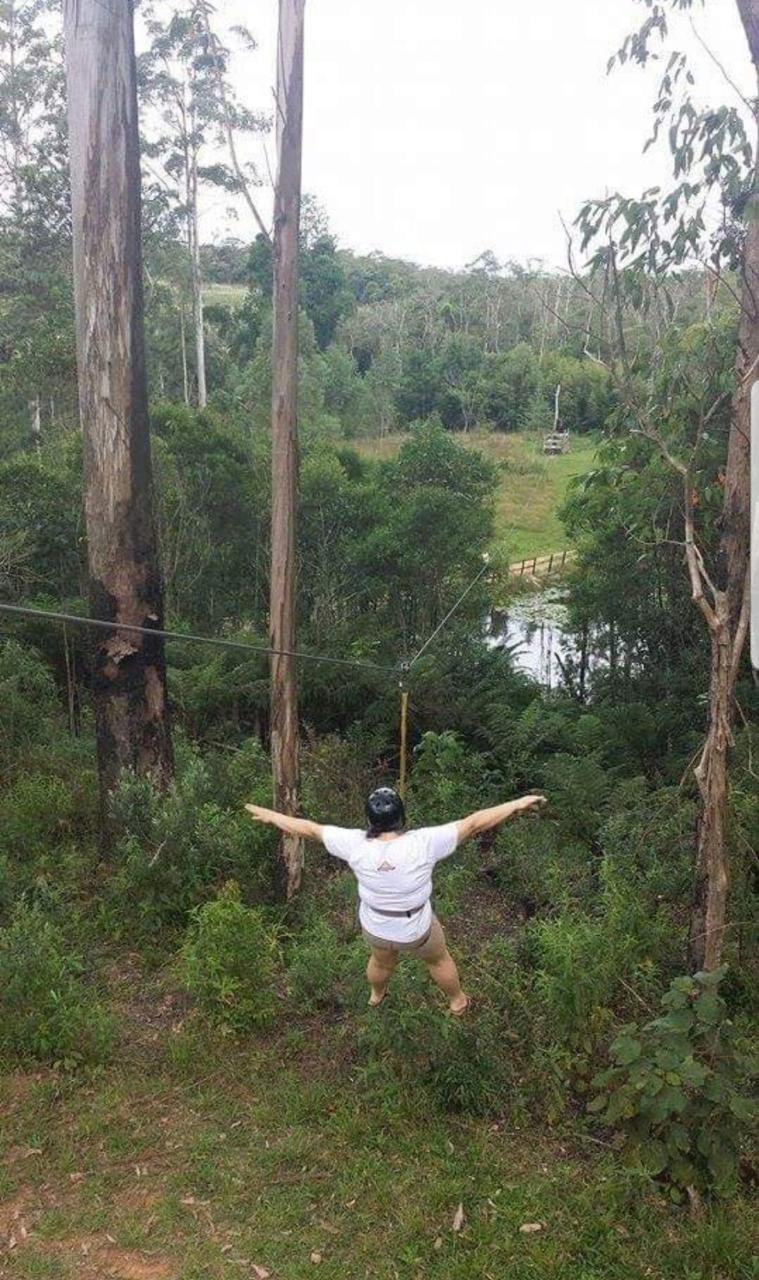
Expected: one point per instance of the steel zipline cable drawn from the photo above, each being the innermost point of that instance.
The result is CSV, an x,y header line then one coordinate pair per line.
x,y
99,623
449,614
401,669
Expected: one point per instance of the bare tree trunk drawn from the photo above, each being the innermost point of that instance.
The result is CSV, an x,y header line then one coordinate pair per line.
x,y
129,675
35,415
284,705
183,342
728,622
197,288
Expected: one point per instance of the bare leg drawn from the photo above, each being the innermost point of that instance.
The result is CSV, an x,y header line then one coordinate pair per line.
x,y
379,971
443,971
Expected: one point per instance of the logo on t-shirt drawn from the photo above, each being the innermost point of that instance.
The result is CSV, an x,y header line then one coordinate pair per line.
x,y
386,866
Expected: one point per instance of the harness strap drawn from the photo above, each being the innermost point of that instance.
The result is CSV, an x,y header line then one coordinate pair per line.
x,y
412,912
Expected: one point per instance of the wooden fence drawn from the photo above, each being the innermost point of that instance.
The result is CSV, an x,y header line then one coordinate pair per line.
x,y
542,566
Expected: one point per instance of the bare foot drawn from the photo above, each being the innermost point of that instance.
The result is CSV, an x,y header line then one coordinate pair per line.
x,y
459,1005
375,999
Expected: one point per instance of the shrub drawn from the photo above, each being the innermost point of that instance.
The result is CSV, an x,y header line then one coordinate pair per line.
x,y
317,962
579,790
174,849
460,1063
447,780
675,1090
336,776
46,831
46,1011
230,962
650,844
28,700
36,813
537,868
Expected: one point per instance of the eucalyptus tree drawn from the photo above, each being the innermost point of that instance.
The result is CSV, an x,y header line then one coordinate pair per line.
x,y
129,675
708,217
34,213
184,76
284,429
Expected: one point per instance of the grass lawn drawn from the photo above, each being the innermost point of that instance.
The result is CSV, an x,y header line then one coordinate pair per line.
x,y
224,295
301,1152
197,1161
532,486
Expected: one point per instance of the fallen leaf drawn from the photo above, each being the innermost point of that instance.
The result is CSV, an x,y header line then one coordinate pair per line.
x,y
528,1227
458,1218
316,1256
438,1243
260,1272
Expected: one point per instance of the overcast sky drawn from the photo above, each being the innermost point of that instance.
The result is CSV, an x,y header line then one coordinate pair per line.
x,y
436,129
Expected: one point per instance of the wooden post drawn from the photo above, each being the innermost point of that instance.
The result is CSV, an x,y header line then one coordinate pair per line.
x,y
284,703
129,673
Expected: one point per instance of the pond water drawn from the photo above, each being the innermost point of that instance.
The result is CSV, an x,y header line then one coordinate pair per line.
x,y
534,629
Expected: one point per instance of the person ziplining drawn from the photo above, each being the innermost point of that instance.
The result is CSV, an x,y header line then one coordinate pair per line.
x,y
394,868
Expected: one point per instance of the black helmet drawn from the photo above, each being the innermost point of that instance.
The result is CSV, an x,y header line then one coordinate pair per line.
x,y
385,811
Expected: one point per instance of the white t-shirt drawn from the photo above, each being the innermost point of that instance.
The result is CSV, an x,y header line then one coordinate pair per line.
x,y
394,875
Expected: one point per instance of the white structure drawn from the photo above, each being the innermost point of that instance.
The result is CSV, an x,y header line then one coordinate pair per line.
x,y
754,577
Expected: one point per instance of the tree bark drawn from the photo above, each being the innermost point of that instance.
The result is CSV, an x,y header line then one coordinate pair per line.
x,y
284,705
129,675
729,622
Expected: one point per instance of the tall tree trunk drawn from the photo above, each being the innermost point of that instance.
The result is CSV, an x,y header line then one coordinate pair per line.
x,y
197,289
35,423
284,705
183,345
729,623
129,678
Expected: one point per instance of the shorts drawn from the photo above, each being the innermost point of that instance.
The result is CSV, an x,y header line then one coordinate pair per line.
x,y
430,948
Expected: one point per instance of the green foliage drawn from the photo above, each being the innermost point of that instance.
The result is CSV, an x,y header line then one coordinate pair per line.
x,y
649,844
677,1089
47,1012
460,1066
579,788
538,866
230,962
447,780
172,850
27,699
39,500
316,965
586,964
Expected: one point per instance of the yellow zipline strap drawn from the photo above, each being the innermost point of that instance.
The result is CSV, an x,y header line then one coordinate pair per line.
x,y
404,734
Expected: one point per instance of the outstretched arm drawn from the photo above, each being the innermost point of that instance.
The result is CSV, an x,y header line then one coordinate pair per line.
x,y
292,826
486,819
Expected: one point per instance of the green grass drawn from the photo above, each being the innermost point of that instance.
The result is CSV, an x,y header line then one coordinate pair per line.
x,y
304,1151
224,295
531,491
196,1160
